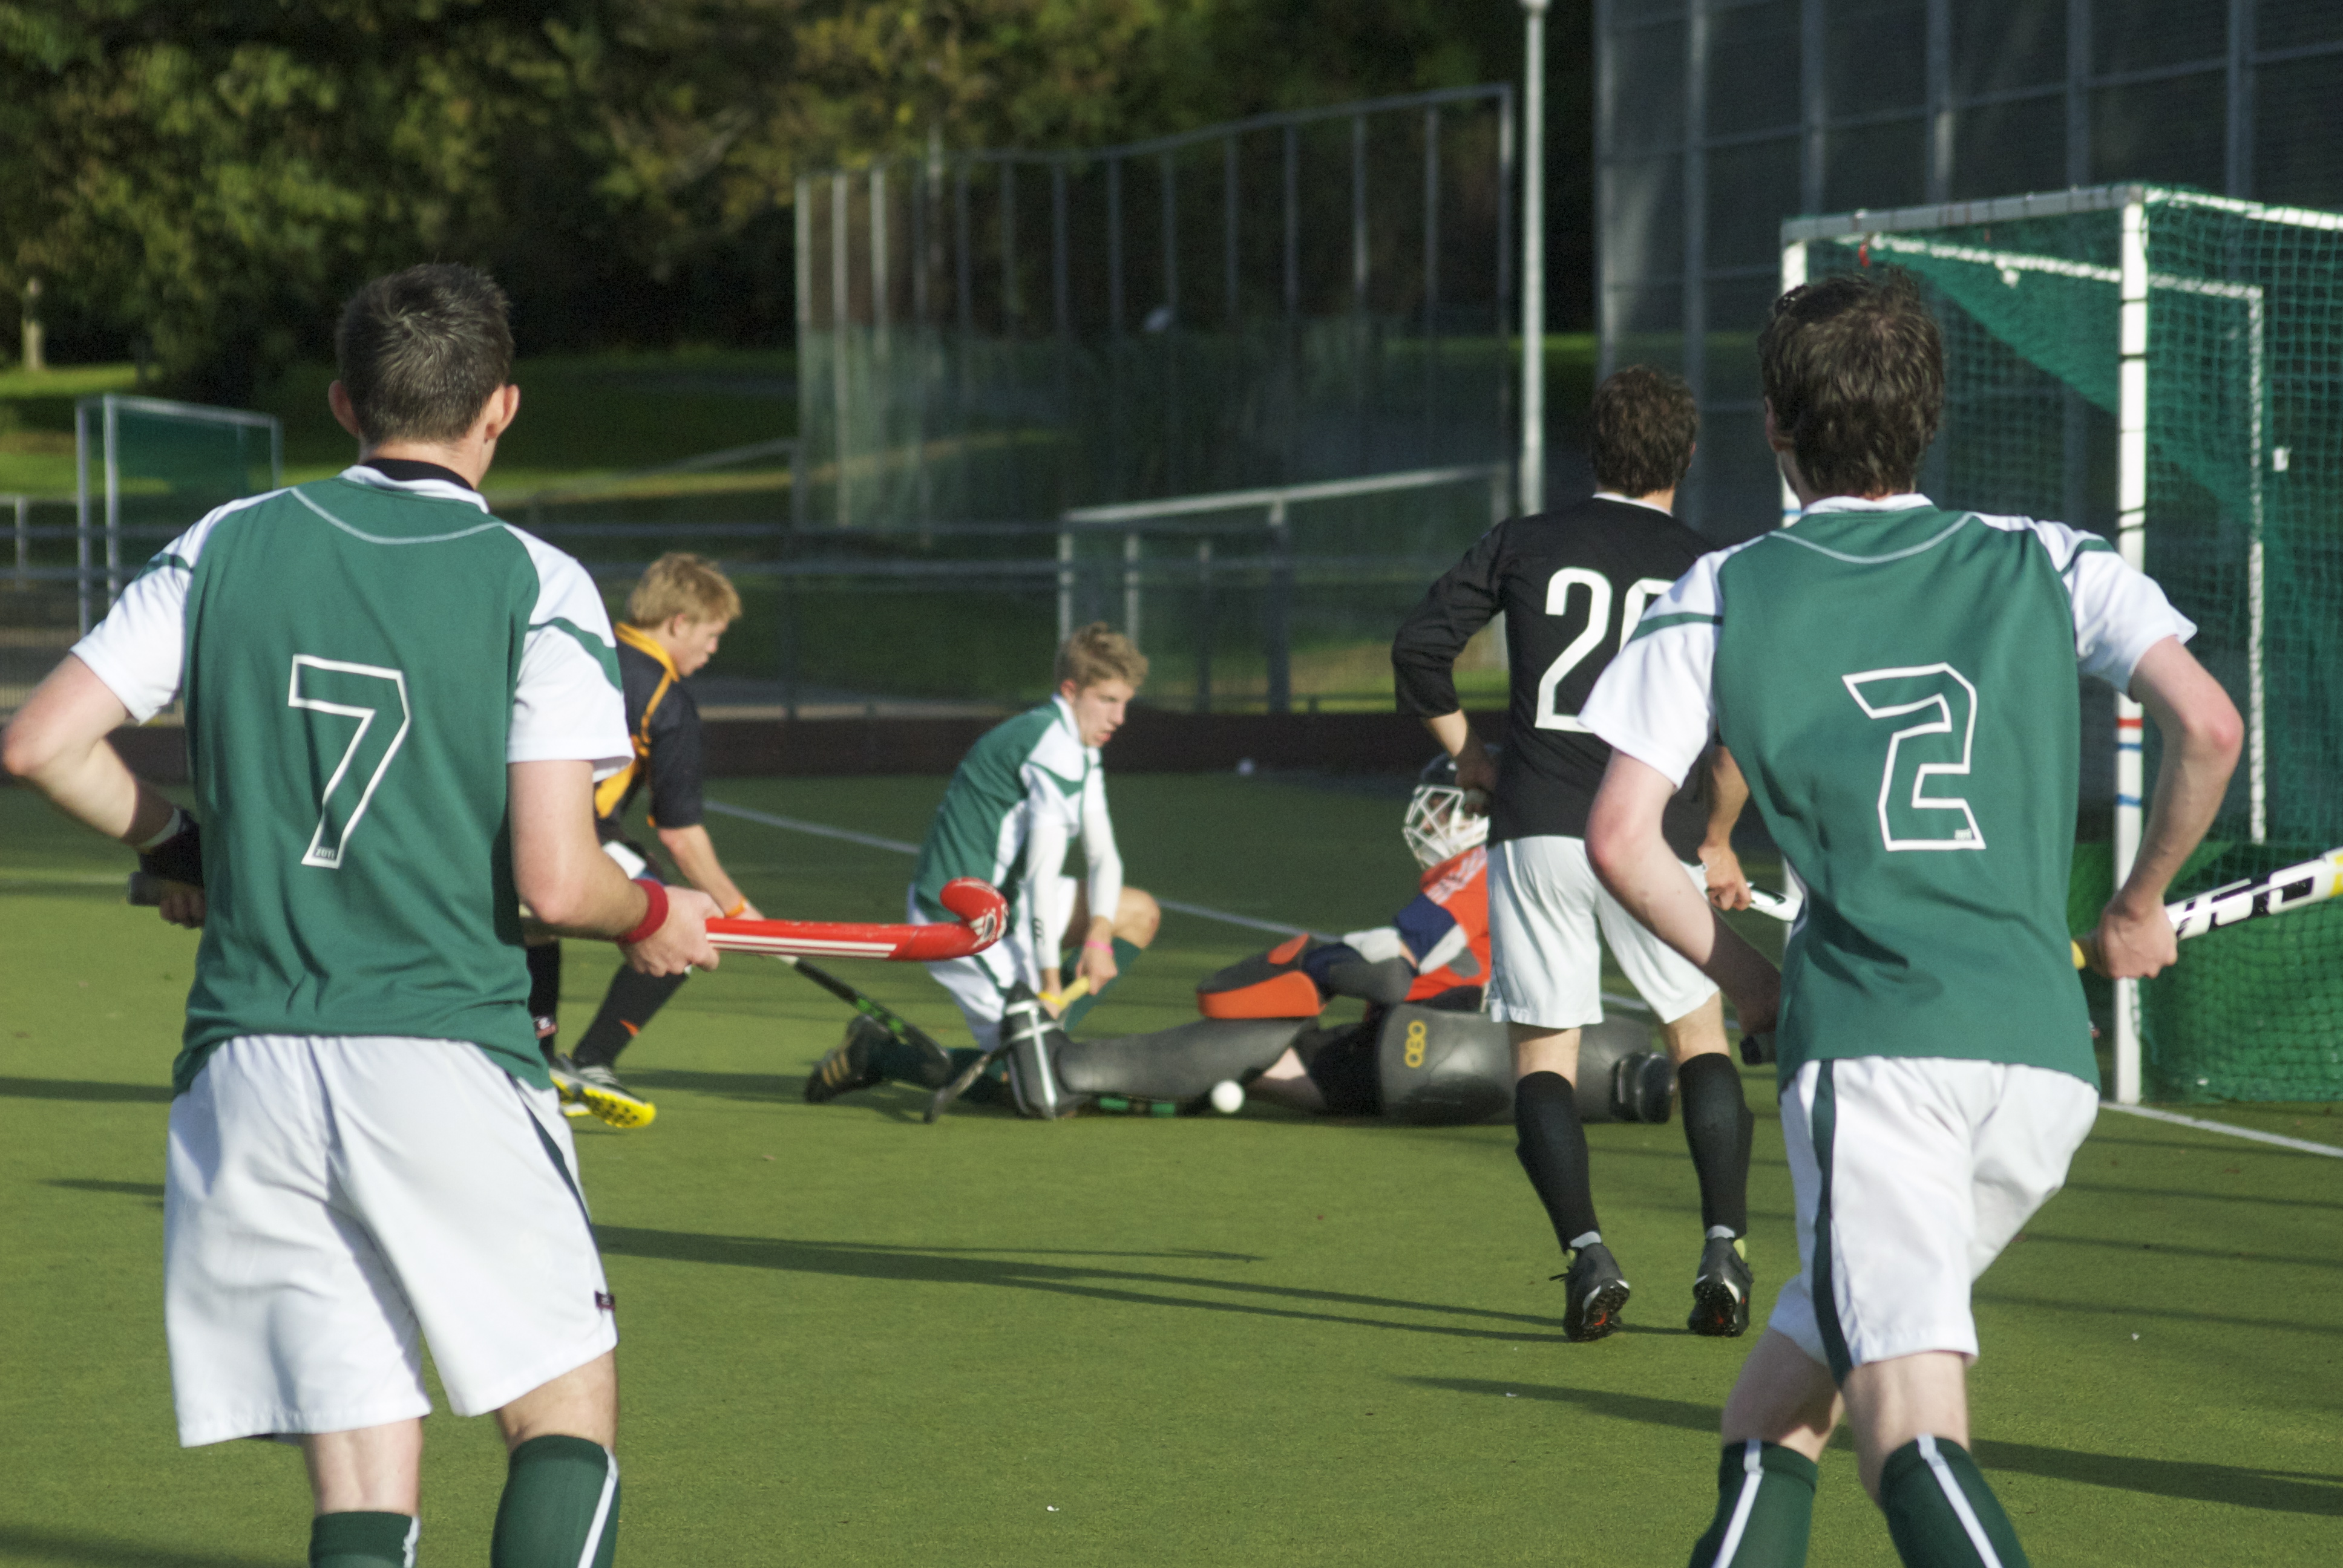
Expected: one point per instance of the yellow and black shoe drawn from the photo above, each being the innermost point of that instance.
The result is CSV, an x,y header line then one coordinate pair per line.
x,y
596,1091
852,1063
1594,1292
1720,1291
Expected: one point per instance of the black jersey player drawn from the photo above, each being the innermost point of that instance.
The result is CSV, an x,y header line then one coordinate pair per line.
x,y
675,617
1571,584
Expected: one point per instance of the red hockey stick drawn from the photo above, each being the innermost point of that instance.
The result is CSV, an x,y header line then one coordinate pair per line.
x,y
983,916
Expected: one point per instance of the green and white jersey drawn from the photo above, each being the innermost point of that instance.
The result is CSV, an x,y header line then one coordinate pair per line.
x,y
360,658
1022,794
1897,684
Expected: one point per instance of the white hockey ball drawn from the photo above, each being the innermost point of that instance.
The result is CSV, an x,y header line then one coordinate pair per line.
x,y
1228,1097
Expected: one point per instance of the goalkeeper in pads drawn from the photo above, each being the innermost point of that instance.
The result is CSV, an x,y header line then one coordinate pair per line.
x,y
1028,789
677,614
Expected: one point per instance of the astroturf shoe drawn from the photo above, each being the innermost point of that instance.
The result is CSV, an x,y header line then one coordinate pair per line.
x,y
1720,1291
852,1063
598,1090
1592,1293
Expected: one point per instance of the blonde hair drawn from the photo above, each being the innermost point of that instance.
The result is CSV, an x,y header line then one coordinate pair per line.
x,y
681,584
1096,653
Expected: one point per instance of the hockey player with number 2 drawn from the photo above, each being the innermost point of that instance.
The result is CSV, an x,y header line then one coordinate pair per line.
x,y
1897,682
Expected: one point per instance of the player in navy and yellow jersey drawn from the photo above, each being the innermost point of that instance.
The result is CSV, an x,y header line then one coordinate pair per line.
x,y
396,707
1570,584
676,616
1897,682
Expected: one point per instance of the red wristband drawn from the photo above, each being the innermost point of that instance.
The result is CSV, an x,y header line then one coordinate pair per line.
x,y
653,918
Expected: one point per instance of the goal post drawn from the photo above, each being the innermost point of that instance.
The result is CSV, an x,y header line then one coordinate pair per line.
x,y
2165,366
146,468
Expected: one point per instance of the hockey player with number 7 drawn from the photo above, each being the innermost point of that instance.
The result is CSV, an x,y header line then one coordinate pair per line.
x,y
1571,585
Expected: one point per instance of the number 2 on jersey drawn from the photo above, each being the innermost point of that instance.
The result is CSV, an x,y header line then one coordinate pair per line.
x,y
1944,702
1598,624
368,693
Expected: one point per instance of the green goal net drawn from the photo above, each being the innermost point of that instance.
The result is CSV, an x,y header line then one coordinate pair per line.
x,y
2209,419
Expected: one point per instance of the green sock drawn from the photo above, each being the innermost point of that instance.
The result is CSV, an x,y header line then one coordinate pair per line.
x,y
363,1540
1940,1511
1125,955
1764,1502
560,1506
904,1062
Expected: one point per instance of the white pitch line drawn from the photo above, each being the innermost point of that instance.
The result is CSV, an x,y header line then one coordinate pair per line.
x,y
2301,1145
872,840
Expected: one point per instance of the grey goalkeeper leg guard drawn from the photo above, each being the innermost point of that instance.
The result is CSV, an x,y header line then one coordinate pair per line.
x,y
1030,1039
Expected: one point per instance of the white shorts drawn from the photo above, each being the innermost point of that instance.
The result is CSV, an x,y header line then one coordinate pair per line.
x,y
1545,905
328,1197
1919,1170
981,982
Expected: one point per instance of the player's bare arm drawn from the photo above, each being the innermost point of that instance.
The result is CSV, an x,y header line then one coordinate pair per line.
x,y
694,856
57,744
1631,855
1728,793
1476,768
562,874
2202,735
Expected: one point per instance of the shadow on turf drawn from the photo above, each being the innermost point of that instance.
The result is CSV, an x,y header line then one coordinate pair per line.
x,y
2274,1491
952,1266
149,1190
19,1544
77,1089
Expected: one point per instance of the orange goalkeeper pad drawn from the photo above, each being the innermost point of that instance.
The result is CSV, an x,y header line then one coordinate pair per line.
x,y
1267,985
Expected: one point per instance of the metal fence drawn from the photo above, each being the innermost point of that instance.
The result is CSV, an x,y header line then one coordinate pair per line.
x,y
1297,297
1716,120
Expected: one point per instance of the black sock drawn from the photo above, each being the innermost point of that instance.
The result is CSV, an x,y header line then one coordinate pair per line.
x,y
633,998
362,1541
1552,1148
1716,1123
544,983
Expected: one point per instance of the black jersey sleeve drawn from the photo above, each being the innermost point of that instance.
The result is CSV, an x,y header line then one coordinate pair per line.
x,y
675,761
1423,654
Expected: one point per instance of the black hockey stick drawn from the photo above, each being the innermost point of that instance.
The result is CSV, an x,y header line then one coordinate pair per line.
x,y
959,1084
902,1029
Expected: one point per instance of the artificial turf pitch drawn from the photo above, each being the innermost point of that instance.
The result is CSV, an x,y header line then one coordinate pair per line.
x,y
853,1339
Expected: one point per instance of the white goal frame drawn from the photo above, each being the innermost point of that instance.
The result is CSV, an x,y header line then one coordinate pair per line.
x,y
2131,279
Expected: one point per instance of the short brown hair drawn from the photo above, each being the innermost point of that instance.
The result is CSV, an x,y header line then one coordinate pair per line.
x,y
1097,653
422,351
1640,432
1854,369
681,584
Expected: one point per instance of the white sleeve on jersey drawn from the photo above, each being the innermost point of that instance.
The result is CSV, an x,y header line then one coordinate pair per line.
x,y
1098,845
2119,612
139,651
568,705
1654,702
1043,898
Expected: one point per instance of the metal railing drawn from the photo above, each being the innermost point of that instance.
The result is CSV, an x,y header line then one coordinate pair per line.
x,y
1275,502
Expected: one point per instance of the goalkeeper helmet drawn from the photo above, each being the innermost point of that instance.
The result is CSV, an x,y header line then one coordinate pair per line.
x,y
1437,827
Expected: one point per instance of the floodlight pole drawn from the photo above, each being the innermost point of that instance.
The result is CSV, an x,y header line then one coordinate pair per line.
x,y
1532,463
2131,543
1794,276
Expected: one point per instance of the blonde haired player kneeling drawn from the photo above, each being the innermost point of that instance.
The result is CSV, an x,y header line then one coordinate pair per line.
x,y
1029,789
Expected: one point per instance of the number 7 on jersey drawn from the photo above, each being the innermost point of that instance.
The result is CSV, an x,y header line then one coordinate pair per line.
x,y
368,693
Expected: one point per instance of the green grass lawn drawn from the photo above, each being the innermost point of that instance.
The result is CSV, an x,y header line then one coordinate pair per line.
x,y
853,1339
582,415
